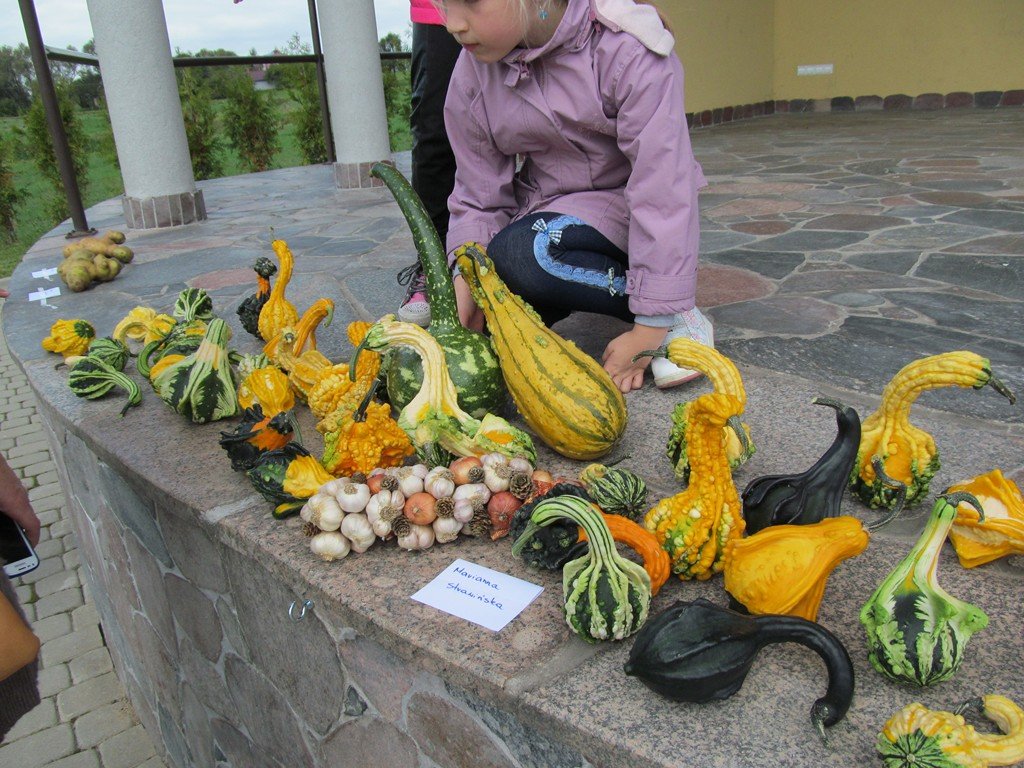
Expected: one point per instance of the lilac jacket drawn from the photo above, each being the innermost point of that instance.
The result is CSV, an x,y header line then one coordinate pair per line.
x,y
598,120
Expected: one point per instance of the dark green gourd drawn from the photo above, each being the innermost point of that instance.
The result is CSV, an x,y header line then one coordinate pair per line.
x,y
472,364
554,545
812,495
699,652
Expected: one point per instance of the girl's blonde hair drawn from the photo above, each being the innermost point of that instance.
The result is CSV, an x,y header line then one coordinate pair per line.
x,y
528,7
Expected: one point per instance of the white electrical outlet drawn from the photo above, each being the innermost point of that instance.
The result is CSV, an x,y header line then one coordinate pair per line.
x,y
814,69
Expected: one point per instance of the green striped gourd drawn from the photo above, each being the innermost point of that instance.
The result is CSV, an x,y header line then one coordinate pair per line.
x,y
90,377
564,394
200,385
471,362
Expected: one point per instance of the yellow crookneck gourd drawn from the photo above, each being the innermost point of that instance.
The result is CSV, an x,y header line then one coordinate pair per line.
x,y
267,386
334,385
143,324
725,379
69,338
918,737
294,349
1001,533
694,525
907,452
564,394
278,313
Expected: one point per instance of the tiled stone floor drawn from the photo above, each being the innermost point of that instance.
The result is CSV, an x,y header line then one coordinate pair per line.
x,y
835,248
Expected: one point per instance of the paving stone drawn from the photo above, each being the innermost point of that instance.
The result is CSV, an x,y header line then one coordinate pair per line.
x,y
89,758
807,241
89,665
66,647
52,627
99,724
59,602
1001,276
85,615
853,222
48,566
38,749
127,749
773,265
44,715
898,263
52,680
83,697
58,582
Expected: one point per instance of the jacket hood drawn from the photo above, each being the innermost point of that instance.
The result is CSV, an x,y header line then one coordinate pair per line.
x,y
572,33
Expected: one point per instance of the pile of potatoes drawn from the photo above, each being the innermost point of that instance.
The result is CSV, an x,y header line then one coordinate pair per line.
x,y
94,259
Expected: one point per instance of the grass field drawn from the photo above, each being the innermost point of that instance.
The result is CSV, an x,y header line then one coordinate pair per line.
x,y
105,178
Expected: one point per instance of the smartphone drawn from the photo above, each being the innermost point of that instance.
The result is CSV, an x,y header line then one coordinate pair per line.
x,y
16,554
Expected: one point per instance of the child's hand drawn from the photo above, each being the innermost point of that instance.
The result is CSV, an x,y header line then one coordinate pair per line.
x,y
469,313
618,355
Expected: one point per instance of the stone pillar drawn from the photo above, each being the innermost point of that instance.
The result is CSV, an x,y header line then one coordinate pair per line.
x,y
355,89
145,113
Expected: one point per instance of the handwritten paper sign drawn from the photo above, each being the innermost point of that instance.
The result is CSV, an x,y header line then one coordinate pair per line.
x,y
42,294
481,595
46,274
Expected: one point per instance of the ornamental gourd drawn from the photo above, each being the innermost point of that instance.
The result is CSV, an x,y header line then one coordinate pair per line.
x,y
641,541
552,546
250,308
69,338
90,377
201,385
277,312
433,418
814,494
563,394
917,632
616,491
725,379
256,434
606,596
907,452
287,477
365,438
143,324
694,525
333,384
918,737
472,365
1001,532
700,652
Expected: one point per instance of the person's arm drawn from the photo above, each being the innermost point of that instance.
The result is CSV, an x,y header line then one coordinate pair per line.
x,y
661,196
15,504
483,200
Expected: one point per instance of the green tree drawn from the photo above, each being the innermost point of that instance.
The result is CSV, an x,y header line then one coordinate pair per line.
x,y
40,147
299,82
397,91
251,125
204,145
16,77
10,197
217,79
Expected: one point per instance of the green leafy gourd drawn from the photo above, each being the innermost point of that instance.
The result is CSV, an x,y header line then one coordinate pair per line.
x,y
193,304
917,632
699,652
193,308
472,364
90,377
606,596
201,385
616,491
812,495
552,546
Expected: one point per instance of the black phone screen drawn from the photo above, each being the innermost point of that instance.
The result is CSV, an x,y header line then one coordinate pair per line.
x,y
12,545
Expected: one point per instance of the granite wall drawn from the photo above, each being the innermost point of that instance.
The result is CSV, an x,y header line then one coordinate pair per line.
x,y
218,672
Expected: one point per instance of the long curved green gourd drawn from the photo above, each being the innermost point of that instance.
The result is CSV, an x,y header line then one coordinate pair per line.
x,y
917,632
472,363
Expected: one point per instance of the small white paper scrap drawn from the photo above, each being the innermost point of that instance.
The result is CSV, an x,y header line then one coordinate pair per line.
x,y
46,274
478,594
42,294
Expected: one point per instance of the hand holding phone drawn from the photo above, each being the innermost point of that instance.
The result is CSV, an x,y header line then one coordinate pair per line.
x,y
16,554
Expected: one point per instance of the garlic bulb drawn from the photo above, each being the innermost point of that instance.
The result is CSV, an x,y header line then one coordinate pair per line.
x,y
410,479
323,511
331,487
463,510
329,545
446,529
477,493
519,464
439,482
383,509
357,529
497,474
418,537
352,497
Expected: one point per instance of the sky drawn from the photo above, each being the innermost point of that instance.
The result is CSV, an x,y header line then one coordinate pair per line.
x,y
194,24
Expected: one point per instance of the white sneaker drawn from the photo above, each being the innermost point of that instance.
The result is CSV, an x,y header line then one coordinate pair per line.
x,y
415,308
694,326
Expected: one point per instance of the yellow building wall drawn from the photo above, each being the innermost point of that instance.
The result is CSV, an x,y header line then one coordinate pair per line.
x,y
746,51
883,47
726,47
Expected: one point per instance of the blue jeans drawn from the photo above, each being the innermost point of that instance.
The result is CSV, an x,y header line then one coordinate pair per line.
x,y
560,265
